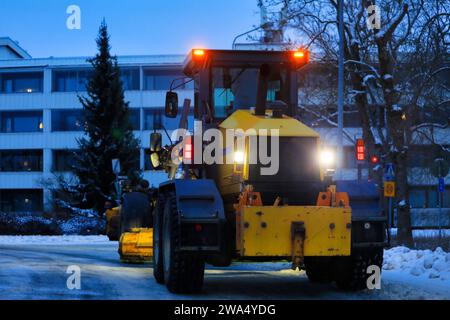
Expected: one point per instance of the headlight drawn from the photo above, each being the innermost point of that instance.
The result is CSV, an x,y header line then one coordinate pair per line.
x,y
239,157
327,159
154,158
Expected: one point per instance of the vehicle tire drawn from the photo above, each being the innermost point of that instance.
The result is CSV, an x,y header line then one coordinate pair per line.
x,y
318,269
183,273
135,212
158,271
351,272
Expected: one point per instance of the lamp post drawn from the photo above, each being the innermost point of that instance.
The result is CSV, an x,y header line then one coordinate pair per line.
x,y
263,26
340,135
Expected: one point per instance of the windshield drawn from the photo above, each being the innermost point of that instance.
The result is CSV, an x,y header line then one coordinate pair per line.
x,y
236,88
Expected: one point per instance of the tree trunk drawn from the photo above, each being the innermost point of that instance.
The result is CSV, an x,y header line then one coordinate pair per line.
x,y
396,131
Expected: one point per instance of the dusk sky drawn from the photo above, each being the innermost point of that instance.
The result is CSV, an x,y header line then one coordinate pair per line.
x,y
136,26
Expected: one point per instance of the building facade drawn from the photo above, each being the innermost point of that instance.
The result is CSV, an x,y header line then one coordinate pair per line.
x,y
41,116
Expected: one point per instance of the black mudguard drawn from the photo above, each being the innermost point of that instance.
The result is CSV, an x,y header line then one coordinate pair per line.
x,y
201,215
369,221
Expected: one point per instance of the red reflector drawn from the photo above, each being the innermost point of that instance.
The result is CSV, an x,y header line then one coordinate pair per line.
x,y
198,228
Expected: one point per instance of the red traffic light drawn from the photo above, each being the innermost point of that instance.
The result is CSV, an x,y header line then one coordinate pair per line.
x,y
374,159
360,150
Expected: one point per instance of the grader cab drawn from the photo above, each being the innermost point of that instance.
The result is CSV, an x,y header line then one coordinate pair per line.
x,y
246,182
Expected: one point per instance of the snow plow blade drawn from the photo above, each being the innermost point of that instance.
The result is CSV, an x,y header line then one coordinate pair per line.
x,y
136,246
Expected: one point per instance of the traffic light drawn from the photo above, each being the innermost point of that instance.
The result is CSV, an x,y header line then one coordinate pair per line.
x,y
374,159
360,150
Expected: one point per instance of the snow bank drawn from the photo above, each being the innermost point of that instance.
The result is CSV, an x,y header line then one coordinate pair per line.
x,y
56,240
424,263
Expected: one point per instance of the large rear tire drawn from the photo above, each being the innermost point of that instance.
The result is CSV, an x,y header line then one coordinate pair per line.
x,y
158,269
135,212
318,269
183,273
351,272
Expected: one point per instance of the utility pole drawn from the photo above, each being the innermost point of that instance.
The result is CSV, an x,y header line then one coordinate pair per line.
x,y
340,135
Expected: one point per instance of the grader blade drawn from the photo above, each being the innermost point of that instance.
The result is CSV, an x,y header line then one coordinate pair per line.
x,y
136,246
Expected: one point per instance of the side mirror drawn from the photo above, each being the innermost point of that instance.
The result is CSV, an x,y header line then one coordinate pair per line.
x,y
171,109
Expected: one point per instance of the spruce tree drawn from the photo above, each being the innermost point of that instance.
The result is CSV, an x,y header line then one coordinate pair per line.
x,y
108,133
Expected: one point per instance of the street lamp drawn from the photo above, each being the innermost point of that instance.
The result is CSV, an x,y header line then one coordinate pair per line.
x,y
340,135
263,26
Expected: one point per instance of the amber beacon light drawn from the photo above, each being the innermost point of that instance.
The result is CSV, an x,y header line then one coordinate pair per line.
x,y
199,52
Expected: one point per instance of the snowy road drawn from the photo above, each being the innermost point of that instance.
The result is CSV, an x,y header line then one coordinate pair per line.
x,y
38,271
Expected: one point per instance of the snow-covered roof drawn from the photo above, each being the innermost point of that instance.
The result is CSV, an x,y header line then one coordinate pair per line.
x,y
13,49
151,60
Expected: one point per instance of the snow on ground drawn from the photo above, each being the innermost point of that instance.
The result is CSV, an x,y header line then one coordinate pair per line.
x,y
407,274
420,263
56,240
425,269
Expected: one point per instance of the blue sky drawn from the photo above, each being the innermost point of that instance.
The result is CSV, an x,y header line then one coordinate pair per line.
x,y
136,26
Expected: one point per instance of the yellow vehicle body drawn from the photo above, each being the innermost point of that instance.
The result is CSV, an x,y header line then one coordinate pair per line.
x,y
286,126
265,231
136,246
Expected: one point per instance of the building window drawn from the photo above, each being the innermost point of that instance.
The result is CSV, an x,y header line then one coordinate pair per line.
x,y
446,200
135,118
67,120
63,160
417,198
20,160
352,119
130,78
71,80
21,200
432,197
154,119
350,158
162,79
427,197
21,121
21,82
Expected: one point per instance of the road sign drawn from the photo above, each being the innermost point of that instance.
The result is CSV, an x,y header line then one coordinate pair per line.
x,y
441,185
389,189
389,172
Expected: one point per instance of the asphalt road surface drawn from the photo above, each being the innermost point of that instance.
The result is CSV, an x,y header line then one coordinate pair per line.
x,y
40,272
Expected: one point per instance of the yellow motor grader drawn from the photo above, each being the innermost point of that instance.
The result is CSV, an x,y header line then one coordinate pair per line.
x,y
278,205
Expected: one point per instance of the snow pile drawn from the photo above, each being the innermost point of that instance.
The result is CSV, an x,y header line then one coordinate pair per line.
x,y
55,240
432,264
